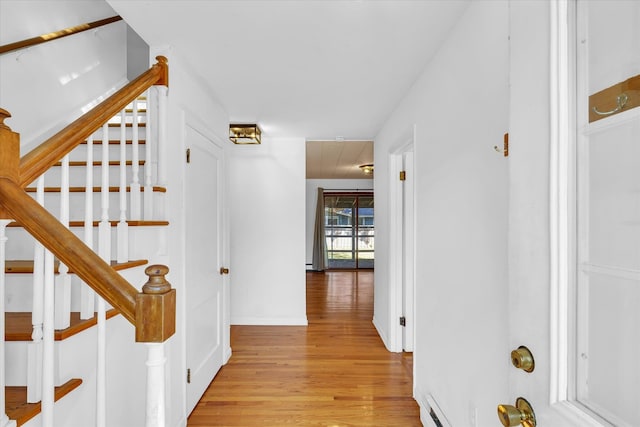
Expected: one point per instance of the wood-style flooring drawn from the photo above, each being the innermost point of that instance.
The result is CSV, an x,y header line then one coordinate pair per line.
x,y
335,372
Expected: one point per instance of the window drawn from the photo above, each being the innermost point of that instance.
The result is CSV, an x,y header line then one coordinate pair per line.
x,y
349,230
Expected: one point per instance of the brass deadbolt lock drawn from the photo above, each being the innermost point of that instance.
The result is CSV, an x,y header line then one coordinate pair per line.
x,y
521,414
522,358
224,270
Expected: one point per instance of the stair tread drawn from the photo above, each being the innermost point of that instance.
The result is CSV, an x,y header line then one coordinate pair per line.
x,y
112,189
73,163
113,125
115,141
22,266
18,409
113,223
18,325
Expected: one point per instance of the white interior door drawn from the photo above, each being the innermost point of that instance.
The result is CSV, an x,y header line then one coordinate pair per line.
x,y
204,298
580,324
408,252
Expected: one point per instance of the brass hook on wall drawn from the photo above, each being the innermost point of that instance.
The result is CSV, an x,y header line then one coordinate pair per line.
x,y
621,101
504,151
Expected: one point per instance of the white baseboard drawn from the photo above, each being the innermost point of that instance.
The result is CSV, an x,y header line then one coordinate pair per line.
x,y
227,355
270,321
383,336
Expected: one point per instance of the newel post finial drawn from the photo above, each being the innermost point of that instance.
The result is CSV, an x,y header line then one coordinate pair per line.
x,y
163,62
156,307
4,114
9,154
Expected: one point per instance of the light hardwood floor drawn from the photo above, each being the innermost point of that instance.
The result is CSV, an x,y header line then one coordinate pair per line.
x,y
335,372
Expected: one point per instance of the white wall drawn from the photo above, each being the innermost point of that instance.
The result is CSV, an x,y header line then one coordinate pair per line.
x,y
312,200
460,108
188,103
46,86
267,218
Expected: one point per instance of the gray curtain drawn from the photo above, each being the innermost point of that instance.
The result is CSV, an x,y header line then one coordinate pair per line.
x,y
319,240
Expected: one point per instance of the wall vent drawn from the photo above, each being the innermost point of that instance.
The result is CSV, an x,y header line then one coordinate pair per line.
x,y
436,414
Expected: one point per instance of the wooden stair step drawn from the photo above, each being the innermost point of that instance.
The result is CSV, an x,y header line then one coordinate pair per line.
x,y
26,266
113,223
117,125
18,325
18,409
99,163
115,141
113,189
140,110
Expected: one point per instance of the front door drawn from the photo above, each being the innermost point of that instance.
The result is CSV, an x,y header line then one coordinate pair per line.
x,y
204,298
575,217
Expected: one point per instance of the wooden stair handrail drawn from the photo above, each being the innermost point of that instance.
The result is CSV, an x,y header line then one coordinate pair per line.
x,y
68,248
57,34
47,154
151,311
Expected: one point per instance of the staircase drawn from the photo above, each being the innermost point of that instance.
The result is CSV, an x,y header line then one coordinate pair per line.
x,y
102,191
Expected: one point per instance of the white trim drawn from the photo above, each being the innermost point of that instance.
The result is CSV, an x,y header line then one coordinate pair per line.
x,y
396,218
602,125
395,252
269,321
564,110
558,206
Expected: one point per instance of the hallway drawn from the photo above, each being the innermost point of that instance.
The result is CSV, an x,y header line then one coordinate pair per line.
x,y
335,372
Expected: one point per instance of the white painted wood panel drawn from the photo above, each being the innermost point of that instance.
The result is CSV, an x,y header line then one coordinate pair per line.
x,y
204,283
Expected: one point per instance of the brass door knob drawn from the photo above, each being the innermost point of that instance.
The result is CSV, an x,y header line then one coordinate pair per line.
x,y
522,358
224,270
521,414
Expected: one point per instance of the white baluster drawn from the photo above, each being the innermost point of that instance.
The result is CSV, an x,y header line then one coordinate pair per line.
x,y
149,139
135,165
63,279
155,415
34,349
104,250
4,419
122,239
104,229
48,353
87,295
162,133
101,374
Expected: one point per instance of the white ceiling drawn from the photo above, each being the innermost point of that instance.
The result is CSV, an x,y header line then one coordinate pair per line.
x,y
317,69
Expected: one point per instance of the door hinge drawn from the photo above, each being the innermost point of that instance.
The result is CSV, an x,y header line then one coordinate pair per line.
x,y
403,321
188,376
403,176
188,155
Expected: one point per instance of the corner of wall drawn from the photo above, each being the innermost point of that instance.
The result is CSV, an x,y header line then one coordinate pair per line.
x,y
381,333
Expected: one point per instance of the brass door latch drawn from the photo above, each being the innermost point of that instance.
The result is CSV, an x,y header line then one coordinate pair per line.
x,y
520,414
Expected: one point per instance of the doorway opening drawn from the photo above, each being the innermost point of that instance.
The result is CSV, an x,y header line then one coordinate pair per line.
x,y
349,230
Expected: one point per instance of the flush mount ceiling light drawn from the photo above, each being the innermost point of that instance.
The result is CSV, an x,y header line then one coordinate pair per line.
x,y
244,133
367,169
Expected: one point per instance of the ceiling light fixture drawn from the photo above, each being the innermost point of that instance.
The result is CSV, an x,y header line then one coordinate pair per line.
x,y
367,169
244,133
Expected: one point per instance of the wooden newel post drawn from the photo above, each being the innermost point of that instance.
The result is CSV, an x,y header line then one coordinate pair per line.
x,y
156,307
9,154
9,169
155,323
164,63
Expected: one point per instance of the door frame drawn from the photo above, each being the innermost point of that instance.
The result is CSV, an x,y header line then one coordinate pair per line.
x,y
397,264
189,119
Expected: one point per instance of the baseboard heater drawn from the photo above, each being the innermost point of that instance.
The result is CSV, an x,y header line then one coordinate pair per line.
x,y
437,416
